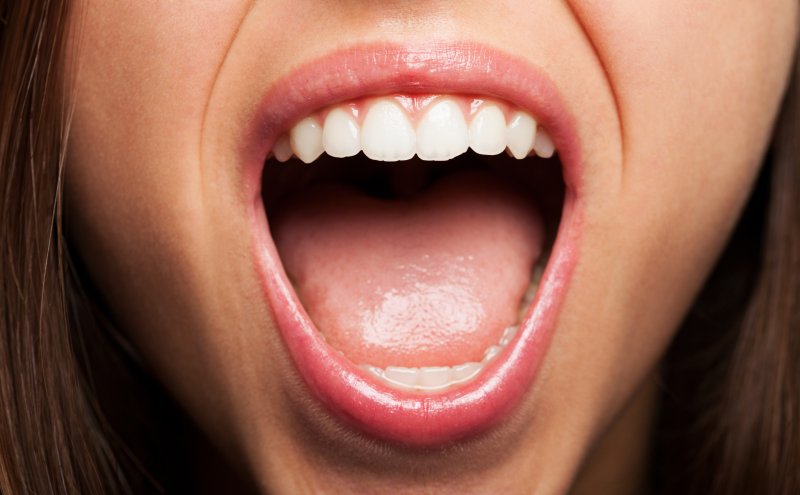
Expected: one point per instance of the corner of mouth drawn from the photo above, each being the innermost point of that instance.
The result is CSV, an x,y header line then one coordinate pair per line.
x,y
349,393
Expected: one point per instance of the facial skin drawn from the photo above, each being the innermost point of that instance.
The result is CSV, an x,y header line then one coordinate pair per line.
x,y
673,103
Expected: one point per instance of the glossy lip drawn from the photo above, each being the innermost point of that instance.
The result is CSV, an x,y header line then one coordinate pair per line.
x,y
349,393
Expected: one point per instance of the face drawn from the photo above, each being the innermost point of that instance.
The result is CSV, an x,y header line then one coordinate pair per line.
x,y
288,306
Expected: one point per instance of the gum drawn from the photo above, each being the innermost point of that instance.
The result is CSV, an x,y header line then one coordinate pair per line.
x,y
416,106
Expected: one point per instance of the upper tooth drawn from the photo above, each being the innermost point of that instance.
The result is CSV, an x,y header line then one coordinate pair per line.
x,y
386,134
487,132
442,133
306,138
282,149
543,146
520,134
340,134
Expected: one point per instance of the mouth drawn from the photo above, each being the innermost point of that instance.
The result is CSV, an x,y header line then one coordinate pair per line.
x,y
416,218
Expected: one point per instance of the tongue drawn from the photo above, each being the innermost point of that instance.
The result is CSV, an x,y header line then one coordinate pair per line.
x,y
427,281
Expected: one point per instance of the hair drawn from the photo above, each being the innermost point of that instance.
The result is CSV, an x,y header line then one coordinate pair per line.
x,y
51,440
730,419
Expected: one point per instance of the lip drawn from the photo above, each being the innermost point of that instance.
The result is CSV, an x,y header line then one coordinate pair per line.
x,y
347,392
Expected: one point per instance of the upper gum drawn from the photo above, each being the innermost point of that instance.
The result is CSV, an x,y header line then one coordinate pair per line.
x,y
415,106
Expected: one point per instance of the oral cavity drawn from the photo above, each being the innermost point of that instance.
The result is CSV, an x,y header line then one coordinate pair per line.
x,y
434,128
424,290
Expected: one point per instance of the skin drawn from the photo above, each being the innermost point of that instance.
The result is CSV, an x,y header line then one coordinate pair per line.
x,y
674,103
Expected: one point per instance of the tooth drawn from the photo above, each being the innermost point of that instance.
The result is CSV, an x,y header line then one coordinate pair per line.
x,y
491,353
386,134
464,372
508,335
306,139
282,149
372,369
520,134
543,146
340,134
405,377
434,377
487,132
442,133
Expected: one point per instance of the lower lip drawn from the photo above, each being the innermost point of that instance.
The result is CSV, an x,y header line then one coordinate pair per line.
x,y
349,393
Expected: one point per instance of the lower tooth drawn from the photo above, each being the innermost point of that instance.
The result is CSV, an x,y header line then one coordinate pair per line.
x,y
530,293
434,377
372,369
405,377
508,335
491,353
430,378
466,371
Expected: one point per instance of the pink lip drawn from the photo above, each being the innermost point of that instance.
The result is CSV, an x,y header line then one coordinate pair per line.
x,y
348,392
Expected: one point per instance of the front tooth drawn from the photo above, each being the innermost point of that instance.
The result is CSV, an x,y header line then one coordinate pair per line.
x,y
386,134
306,139
434,377
282,149
520,134
464,372
405,377
340,134
543,146
442,133
487,132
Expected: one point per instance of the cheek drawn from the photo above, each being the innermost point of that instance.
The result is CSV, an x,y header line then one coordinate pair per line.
x,y
696,88
696,85
140,92
134,185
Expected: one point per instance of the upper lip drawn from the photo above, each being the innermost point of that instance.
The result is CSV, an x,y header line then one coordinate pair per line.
x,y
466,68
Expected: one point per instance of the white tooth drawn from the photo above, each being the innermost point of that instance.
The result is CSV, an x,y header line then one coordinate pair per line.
x,y
543,145
386,134
530,292
405,377
434,377
464,372
372,369
520,134
282,149
306,139
487,132
491,353
340,134
442,133
508,335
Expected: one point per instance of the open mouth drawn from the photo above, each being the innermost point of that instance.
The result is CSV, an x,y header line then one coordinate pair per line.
x,y
416,239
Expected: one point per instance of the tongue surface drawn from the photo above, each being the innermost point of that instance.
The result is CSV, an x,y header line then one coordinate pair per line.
x,y
427,281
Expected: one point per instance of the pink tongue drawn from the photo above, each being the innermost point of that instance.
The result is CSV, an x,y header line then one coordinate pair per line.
x,y
430,281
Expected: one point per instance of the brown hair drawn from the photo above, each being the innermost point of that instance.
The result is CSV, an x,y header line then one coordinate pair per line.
x,y
731,404
731,415
50,437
